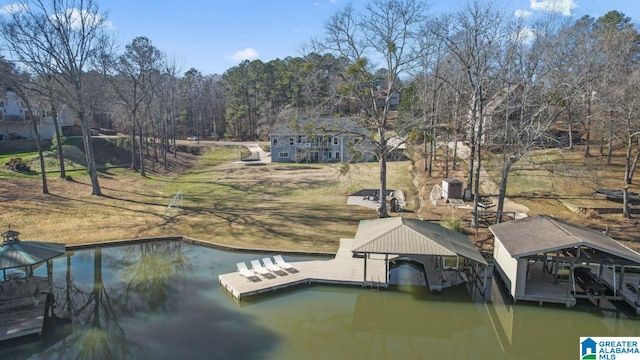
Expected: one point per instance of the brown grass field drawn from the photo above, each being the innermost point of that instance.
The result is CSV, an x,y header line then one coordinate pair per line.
x,y
290,206
277,206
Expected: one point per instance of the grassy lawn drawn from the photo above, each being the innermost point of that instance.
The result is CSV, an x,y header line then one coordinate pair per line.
x,y
545,178
278,206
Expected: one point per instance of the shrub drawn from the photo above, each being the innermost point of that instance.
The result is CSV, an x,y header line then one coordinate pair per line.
x,y
452,224
54,142
17,165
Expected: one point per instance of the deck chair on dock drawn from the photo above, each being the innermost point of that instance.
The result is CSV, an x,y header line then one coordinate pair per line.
x,y
273,267
257,267
283,264
244,271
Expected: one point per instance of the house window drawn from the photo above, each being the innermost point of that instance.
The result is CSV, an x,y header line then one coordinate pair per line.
x,y
335,140
283,154
329,155
290,141
299,139
337,154
275,141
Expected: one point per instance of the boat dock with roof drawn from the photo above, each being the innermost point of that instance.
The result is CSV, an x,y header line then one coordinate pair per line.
x,y
369,258
549,260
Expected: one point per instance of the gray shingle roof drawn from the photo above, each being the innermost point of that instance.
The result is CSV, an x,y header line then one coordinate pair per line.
x,y
542,233
321,126
402,236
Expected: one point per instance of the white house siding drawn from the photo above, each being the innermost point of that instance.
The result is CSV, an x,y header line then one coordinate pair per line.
x,y
507,265
521,279
46,131
336,150
13,119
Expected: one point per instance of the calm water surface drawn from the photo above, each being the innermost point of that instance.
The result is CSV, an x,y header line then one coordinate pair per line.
x,y
162,301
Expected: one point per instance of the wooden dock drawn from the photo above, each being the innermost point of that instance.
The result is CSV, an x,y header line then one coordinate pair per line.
x,y
343,269
22,307
542,287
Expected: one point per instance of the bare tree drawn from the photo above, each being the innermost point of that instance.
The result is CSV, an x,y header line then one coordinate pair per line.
x,y
523,113
475,37
619,88
134,86
385,30
18,82
64,39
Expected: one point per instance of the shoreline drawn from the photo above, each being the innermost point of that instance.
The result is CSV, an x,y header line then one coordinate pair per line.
x,y
193,241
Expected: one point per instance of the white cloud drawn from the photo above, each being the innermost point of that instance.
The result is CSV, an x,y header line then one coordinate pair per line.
x,y
13,8
565,7
526,35
522,13
75,16
246,54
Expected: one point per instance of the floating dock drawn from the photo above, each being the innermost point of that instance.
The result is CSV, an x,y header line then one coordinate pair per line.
x,y
343,269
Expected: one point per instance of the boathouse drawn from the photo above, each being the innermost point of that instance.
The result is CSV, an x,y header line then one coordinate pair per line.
x,y
380,246
424,244
545,259
26,301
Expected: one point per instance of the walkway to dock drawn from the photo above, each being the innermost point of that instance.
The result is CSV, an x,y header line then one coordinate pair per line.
x,y
629,291
343,269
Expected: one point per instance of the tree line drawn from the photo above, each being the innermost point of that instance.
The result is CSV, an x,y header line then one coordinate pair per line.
x,y
476,75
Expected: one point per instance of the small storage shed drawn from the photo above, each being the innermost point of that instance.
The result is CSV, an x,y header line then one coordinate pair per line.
x,y
452,188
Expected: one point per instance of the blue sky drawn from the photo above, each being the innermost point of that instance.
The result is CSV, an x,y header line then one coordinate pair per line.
x,y
214,35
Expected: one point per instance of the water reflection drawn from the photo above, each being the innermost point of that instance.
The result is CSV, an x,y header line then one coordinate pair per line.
x,y
161,300
145,301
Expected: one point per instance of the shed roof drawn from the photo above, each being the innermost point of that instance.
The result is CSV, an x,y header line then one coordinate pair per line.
x,y
402,236
542,233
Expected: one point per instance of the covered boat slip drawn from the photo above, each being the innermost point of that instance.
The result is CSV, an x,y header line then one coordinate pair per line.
x,y
544,259
24,308
367,260
421,241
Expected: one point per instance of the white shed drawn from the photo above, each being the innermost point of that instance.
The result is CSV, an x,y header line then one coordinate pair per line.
x,y
452,188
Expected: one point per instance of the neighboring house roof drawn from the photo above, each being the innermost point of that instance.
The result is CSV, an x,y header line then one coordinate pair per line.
x,y
321,126
396,142
402,236
499,99
542,233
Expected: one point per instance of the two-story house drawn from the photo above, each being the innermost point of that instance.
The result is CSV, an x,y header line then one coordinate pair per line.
x,y
15,119
381,99
320,140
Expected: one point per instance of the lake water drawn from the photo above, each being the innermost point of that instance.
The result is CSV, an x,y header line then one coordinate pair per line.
x,y
161,300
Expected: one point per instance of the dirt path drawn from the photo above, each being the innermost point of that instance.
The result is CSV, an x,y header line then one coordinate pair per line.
x,y
492,189
257,154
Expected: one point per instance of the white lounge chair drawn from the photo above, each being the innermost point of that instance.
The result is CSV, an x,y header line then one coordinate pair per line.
x,y
244,271
255,266
271,266
283,264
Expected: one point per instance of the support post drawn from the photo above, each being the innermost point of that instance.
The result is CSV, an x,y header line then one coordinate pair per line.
x,y
386,268
365,269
